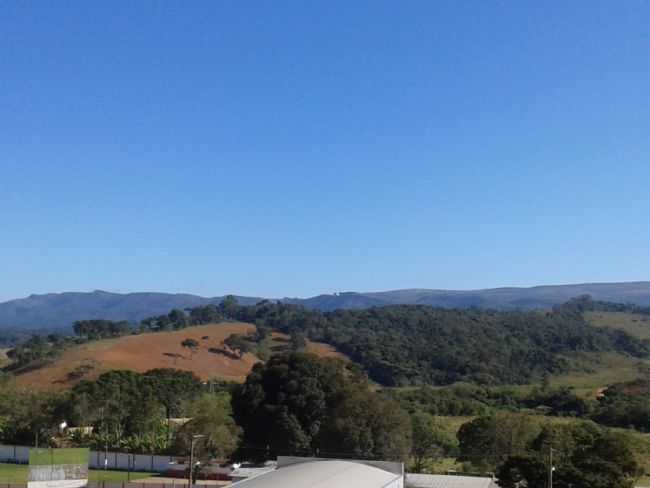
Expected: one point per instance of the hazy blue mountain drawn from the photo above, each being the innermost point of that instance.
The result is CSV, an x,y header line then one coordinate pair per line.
x,y
59,310
521,298
350,300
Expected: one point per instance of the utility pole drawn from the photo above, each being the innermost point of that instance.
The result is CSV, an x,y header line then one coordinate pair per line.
x,y
191,475
551,468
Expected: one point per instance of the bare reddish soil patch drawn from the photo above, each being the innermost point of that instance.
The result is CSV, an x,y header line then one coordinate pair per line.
x,y
160,350
144,352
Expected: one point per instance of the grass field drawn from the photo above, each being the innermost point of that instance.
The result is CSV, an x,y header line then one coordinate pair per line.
x,y
595,371
46,457
634,324
17,473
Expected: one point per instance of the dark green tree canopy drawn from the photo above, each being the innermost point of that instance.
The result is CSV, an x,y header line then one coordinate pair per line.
x,y
300,404
123,403
97,329
415,345
584,456
172,387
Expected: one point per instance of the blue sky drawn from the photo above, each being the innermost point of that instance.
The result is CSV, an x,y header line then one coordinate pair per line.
x,y
289,148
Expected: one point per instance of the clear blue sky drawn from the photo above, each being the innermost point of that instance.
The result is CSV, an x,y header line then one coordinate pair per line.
x,y
288,148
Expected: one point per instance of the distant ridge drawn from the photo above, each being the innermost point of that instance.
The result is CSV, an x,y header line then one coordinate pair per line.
x,y
59,310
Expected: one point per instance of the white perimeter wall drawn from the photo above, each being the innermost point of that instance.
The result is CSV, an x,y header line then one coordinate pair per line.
x,y
99,459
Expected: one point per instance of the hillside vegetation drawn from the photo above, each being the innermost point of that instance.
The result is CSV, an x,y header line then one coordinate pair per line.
x,y
410,345
407,344
635,324
211,358
397,345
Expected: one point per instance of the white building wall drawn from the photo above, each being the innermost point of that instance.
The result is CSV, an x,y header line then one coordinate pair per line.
x,y
97,459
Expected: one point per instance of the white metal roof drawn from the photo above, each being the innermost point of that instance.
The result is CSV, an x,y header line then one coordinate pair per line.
x,y
329,473
447,481
248,472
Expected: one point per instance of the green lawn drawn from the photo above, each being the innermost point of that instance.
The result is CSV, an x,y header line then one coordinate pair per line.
x,y
58,456
17,473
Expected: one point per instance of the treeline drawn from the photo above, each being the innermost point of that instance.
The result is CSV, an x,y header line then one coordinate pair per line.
x,y
624,405
100,328
412,345
124,410
176,319
466,399
36,351
294,404
11,337
586,303
518,448
180,319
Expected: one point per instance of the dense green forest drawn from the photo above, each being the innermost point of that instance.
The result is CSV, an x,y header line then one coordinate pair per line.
x,y
412,345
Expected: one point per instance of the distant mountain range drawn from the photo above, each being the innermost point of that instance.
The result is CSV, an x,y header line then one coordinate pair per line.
x,y
60,310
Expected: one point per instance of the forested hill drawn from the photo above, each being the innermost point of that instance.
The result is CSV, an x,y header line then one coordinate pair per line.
x,y
416,344
60,310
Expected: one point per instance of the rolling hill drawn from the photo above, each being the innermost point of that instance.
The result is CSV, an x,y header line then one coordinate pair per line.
x,y
141,353
59,310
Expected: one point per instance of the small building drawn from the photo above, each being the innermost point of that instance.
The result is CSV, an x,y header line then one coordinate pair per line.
x,y
448,481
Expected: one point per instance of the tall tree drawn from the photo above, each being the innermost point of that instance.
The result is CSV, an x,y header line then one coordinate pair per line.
x,y
430,440
172,387
585,456
300,404
366,425
489,440
178,319
283,403
191,344
230,307
211,416
121,404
